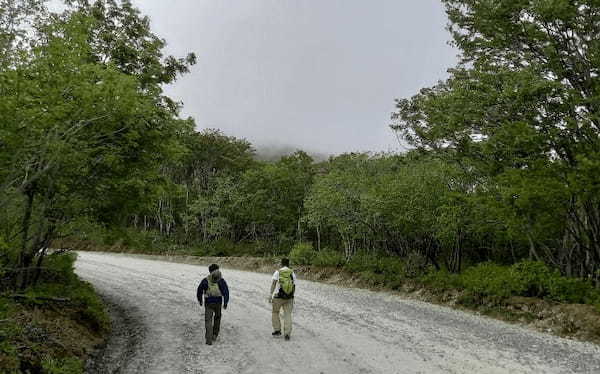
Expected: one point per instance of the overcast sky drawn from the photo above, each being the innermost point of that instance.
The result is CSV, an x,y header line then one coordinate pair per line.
x,y
320,75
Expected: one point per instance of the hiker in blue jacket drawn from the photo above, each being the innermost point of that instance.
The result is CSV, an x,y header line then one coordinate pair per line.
x,y
213,293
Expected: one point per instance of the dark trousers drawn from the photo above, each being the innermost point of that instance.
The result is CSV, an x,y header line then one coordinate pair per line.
x,y
212,320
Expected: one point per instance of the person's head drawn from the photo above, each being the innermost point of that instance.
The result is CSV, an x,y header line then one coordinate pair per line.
x,y
215,275
213,267
285,262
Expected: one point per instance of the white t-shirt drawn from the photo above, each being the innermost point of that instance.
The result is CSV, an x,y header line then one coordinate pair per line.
x,y
276,278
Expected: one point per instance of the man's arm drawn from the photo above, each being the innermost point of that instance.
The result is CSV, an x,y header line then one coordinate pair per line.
x,y
273,285
225,292
201,289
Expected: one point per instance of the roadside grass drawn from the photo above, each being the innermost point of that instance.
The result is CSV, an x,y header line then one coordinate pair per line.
x,y
486,282
53,327
130,240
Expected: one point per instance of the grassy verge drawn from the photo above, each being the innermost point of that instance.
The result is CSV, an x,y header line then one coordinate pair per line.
x,y
153,243
53,327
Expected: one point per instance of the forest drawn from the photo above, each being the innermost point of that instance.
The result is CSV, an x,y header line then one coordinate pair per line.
x,y
502,178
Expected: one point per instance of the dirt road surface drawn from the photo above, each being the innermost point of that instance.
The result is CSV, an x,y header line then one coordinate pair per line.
x,y
158,328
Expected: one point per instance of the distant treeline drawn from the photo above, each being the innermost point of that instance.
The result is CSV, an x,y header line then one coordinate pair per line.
x,y
505,163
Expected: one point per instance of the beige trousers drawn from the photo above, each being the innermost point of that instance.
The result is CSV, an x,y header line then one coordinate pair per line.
x,y
287,306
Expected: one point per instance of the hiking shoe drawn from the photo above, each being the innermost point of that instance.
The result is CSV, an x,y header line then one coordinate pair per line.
x,y
276,333
208,343
287,337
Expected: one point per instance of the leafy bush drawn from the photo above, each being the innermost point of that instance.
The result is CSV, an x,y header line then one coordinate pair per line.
x,y
442,280
70,365
392,267
373,279
302,254
378,269
415,265
527,278
362,261
531,278
94,312
60,268
219,248
491,280
573,290
328,257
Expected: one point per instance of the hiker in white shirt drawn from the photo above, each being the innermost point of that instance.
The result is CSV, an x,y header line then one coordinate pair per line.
x,y
282,297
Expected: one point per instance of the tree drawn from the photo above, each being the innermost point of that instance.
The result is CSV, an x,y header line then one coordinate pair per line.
x,y
17,17
523,108
80,138
273,195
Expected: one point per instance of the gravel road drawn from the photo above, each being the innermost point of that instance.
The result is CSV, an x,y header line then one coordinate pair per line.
x,y
158,328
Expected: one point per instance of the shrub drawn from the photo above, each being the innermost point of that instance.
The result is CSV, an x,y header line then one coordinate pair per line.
x,y
60,268
302,254
490,279
572,290
94,312
69,365
362,261
415,265
388,269
328,257
372,279
527,278
531,278
220,248
442,280
392,269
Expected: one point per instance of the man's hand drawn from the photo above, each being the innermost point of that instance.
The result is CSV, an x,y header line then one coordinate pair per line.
x,y
200,303
225,306
270,299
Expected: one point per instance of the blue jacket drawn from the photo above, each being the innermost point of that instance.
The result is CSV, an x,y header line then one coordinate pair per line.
x,y
213,299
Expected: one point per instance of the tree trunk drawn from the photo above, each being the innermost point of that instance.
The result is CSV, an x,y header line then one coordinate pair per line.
x,y
26,225
318,239
38,266
532,252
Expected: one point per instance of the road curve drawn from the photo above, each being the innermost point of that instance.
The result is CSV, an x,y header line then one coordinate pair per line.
x,y
159,329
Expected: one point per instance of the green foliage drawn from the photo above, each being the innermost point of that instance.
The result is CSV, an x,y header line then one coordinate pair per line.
x,y
491,280
517,115
93,311
60,281
9,331
573,290
271,196
69,365
378,269
526,278
61,268
362,261
328,258
442,280
533,278
81,304
302,254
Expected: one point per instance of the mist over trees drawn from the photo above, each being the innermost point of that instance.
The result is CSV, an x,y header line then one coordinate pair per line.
x,y
504,167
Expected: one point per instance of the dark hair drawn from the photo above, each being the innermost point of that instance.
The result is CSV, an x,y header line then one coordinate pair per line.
x,y
213,267
285,262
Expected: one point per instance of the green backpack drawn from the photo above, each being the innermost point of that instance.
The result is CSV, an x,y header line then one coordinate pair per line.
x,y
213,289
286,284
